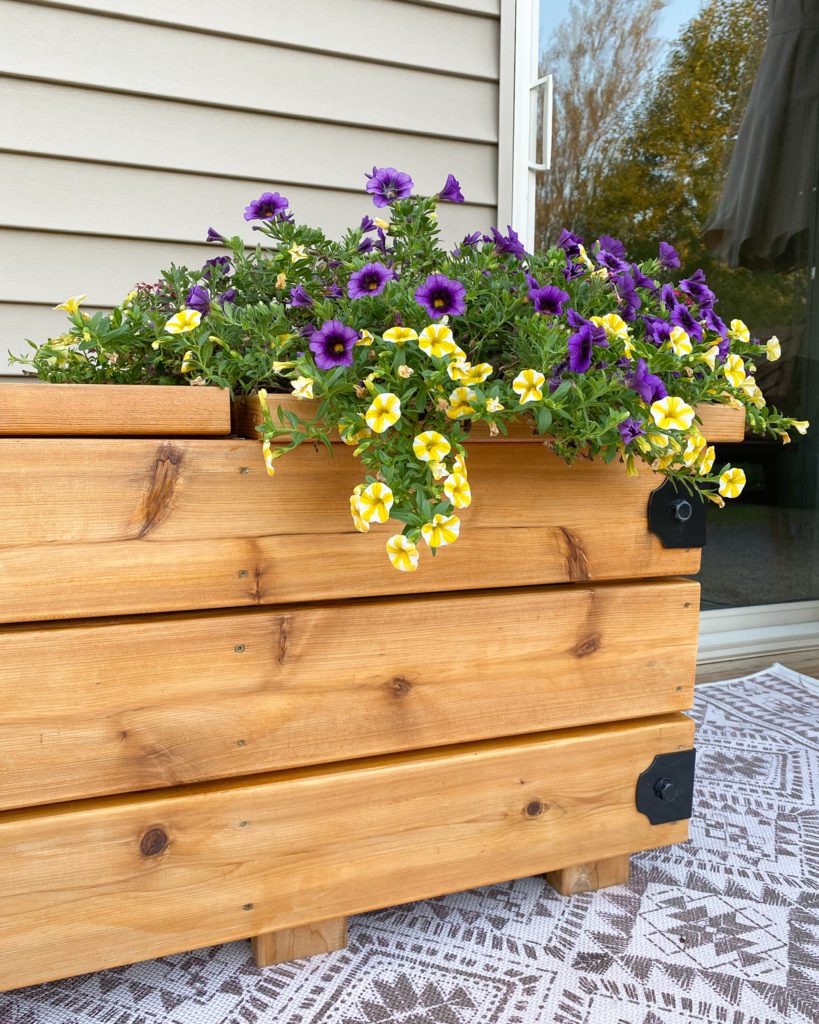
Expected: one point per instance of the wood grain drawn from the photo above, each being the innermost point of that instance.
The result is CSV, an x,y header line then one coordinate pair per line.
x,y
142,703
91,885
598,874
297,943
112,410
149,526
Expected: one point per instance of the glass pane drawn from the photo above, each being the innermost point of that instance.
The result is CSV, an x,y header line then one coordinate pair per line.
x,y
694,122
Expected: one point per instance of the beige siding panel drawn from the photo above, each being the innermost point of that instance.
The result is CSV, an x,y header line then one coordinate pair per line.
x,y
167,206
464,45
134,57
133,130
485,7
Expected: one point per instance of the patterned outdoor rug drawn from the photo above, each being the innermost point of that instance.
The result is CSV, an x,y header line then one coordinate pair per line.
x,y
722,929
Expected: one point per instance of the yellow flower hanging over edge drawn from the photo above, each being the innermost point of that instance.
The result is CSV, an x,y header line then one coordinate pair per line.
x,y
303,387
441,531
430,446
672,413
375,502
457,489
527,385
731,483
403,553
270,455
734,370
183,321
459,403
384,412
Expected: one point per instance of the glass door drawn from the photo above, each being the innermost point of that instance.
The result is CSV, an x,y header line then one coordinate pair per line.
x,y
694,122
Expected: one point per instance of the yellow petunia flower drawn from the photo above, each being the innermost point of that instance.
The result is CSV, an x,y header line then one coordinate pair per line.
x,y
477,374
706,461
183,321
437,341
459,403
717,500
375,502
800,426
402,553
527,385
353,439
72,305
296,253
384,412
187,362
734,370
359,522
582,257
731,483
494,405
680,343
773,349
441,531
439,470
431,446
739,332
457,489
400,335
270,454
613,324
281,280
303,387
459,465
365,339
709,357
672,413
381,223
693,449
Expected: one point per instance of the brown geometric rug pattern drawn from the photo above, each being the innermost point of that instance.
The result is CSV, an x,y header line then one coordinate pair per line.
x,y
724,928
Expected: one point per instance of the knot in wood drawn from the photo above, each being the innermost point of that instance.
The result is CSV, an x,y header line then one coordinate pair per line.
x,y
154,842
400,686
534,808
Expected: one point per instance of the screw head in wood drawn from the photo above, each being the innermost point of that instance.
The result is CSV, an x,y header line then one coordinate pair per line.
x,y
239,648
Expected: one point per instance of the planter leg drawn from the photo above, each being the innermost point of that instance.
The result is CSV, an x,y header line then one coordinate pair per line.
x,y
296,943
598,874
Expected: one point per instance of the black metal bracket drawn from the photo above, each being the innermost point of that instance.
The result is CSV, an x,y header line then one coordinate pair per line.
x,y
677,517
665,790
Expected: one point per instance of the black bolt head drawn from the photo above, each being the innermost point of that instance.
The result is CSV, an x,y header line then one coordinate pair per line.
x,y
681,510
666,790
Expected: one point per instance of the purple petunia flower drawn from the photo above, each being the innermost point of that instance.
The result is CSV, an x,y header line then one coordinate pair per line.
x,y
198,298
365,245
647,385
641,280
386,185
611,262
548,300
227,296
630,429
580,349
333,345
367,224
612,245
381,244
300,297
451,192
669,258
698,290
334,291
214,236
724,346
510,243
472,239
573,270
658,331
630,301
269,206
668,296
218,265
682,317
369,280
441,296
570,243
714,323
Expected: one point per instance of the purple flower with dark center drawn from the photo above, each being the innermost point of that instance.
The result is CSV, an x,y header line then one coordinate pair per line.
x,y
334,291
441,296
451,192
580,349
713,322
369,280
365,245
227,296
668,296
300,298
472,239
269,206
611,262
199,299
573,270
333,345
647,385
681,316
697,289
367,224
630,301
510,243
724,346
658,331
574,319
548,300
641,280
214,236
218,265
386,185
630,429
570,243
612,245
669,259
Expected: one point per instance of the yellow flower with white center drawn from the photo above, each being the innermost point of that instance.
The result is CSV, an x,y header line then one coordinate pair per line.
x,y
183,321
303,387
384,412
72,305
693,449
734,370
460,403
731,483
439,470
281,280
527,385
437,341
456,488
672,413
613,324
583,257
400,335
431,446
375,502
459,465
365,339
680,343
457,369
739,332
402,553
494,405
270,454
441,531
381,223
359,522
800,426
476,374
404,371
709,357
296,253
773,349
706,461
187,362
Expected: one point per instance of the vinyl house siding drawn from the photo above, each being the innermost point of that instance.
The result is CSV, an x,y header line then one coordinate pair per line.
x,y
127,127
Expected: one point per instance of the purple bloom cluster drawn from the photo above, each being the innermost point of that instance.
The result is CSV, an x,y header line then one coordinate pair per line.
x,y
630,429
451,192
647,385
333,345
669,258
506,244
386,184
199,298
219,265
440,296
300,298
548,300
369,280
269,206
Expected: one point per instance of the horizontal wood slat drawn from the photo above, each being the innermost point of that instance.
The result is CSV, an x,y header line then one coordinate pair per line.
x,y
106,882
138,704
135,57
77,410
148,526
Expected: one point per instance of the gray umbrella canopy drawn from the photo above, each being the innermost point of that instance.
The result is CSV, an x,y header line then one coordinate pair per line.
x,y
763,214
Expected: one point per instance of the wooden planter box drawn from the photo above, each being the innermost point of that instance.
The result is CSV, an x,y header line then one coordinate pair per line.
x,y
224,715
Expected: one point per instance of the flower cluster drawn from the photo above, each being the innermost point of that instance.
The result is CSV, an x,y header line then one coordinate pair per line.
x,y
401,347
